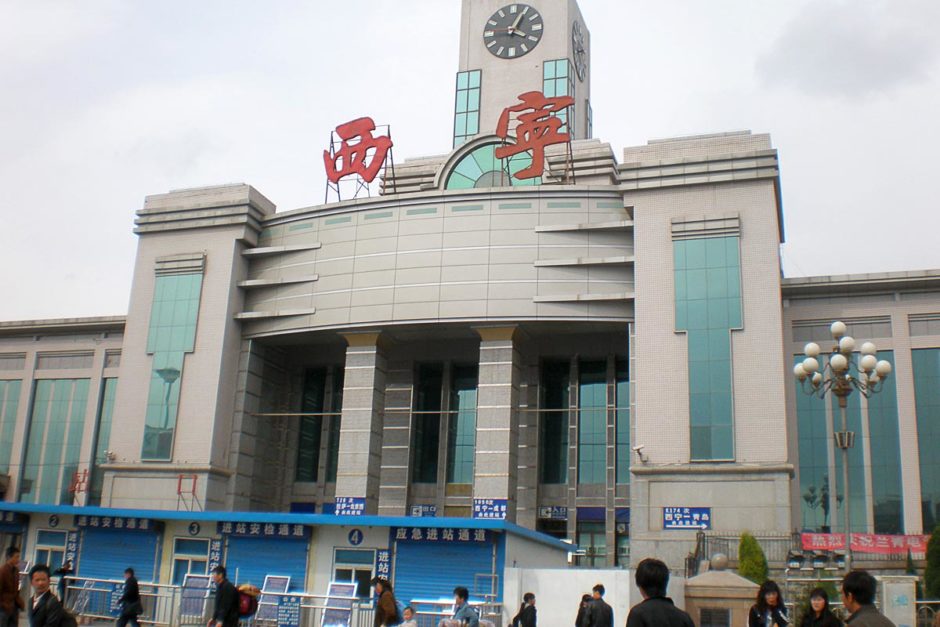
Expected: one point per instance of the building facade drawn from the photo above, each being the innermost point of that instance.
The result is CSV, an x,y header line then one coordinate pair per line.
x,y
591,354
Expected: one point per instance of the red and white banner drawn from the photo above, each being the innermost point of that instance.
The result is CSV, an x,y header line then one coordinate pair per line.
x,y
866,543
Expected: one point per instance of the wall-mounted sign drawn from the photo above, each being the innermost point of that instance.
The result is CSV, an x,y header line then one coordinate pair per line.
x,y
355,537
215,554
194,529
115,522
383,563
71,547
553,512
53,521
350,506
417,534
490,508
687,518
423,511
265,530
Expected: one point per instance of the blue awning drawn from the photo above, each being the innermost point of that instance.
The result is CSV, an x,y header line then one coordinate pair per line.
x,y
313,520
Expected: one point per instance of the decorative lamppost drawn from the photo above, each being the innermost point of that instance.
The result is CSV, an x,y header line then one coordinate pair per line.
x,y
842,374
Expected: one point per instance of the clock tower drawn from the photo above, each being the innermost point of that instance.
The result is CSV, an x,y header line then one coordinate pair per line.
x,y
509,48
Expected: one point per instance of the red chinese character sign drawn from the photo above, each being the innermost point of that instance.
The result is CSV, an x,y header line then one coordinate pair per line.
x,y
359,153
538,126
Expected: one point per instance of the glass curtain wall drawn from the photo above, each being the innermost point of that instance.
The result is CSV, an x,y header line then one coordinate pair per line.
x,y
461,437
553,423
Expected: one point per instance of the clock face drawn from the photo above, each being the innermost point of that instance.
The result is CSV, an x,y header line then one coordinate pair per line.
x,y
513,31
577,48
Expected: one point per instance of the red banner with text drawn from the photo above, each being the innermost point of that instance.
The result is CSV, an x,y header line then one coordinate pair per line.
x,y
866,543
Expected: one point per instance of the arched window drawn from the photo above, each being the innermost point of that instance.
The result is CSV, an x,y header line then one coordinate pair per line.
x,y
481,168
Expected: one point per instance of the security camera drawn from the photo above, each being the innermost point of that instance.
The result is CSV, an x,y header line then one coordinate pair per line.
x,y
638,448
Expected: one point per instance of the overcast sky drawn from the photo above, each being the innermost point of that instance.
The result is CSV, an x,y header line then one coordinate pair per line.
x,y
104,102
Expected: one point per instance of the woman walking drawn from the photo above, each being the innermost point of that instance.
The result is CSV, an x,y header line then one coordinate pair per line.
x,y
526,615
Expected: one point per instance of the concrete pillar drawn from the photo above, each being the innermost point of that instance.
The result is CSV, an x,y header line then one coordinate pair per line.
x,y
495,467
360,437
907,424
396,440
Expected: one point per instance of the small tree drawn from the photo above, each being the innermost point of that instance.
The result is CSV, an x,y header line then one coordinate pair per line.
x,y
932,572
752,563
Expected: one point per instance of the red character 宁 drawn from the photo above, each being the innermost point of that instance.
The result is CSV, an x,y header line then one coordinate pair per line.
x,y
537,128
352,156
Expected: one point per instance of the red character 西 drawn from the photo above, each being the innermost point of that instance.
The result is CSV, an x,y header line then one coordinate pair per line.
x,y
352,156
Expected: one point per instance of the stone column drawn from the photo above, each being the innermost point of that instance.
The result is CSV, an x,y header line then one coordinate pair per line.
x,y
495,464
360,438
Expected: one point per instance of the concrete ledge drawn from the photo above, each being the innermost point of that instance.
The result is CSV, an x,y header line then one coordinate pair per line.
x,y
586,261
616,225
713,469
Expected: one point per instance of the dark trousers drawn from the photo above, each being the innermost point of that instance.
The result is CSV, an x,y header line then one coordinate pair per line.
x,y
9,620
124,619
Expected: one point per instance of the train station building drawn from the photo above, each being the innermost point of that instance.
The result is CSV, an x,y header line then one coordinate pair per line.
x,y
601,354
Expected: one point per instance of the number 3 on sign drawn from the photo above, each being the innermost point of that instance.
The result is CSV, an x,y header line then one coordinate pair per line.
x,y
355,537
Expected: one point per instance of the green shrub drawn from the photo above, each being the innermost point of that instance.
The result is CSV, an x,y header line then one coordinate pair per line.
x,y
932,572
752,563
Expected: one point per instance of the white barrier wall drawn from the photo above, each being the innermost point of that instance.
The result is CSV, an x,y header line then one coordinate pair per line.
x,y
558,592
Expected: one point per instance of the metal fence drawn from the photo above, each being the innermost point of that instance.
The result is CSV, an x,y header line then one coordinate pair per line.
x,y
173,606
927,612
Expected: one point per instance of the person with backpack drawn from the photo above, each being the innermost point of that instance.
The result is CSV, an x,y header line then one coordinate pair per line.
x,y
463,612
387,612
226,612
526,616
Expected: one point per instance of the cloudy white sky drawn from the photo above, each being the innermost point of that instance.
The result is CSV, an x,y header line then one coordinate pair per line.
x,y
106,101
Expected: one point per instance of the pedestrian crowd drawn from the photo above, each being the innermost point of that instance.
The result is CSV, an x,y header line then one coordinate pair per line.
x,y
45,609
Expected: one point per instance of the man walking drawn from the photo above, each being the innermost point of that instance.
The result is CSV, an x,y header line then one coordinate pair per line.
x,y
10,601
45,610
131,607
858,595
656,609
226,600
464,613
599,613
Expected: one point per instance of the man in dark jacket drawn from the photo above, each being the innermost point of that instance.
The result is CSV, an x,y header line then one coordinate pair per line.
x,y
44,608
226,600
656,609
858,595
599,613
10,601
131,607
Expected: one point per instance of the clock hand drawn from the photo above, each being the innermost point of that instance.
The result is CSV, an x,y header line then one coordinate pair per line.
x,y
515,24
520,33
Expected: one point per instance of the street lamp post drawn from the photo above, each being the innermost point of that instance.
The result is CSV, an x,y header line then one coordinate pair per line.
x,y
840,376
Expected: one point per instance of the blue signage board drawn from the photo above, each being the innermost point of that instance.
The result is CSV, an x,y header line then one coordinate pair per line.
x,y
489,508
215,554
383,563
355,537
423,511
553,512
350,506
71,547
115,522
433,534
687,518
288,611
114,601
339,602
264,530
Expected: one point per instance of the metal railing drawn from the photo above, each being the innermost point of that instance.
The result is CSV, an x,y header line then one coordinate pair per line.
x,y
775,546
175,606
927,613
